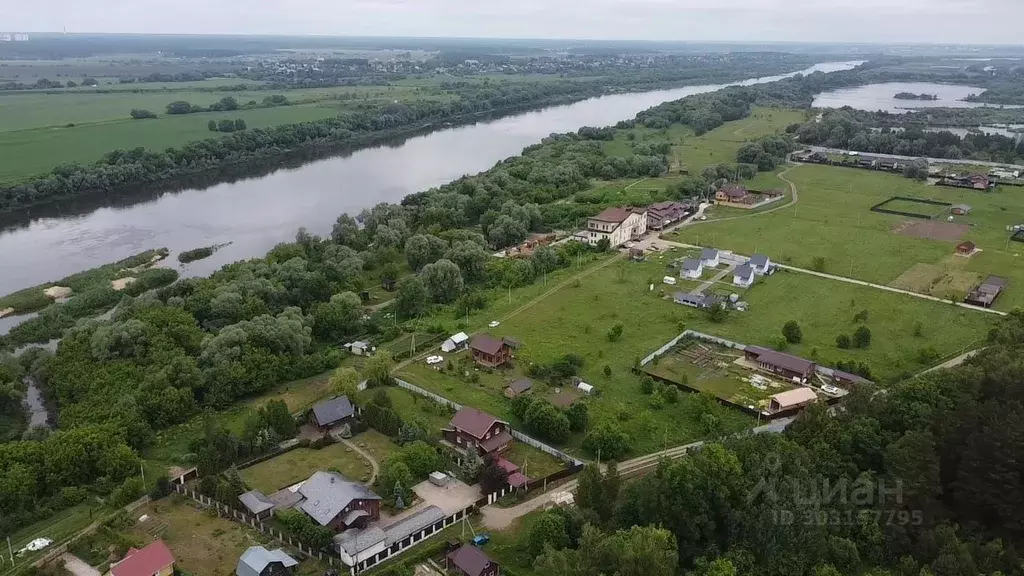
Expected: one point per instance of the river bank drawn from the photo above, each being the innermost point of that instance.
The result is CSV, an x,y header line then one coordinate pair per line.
x,y
257,213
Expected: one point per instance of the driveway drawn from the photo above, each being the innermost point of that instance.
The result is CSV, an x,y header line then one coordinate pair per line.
x,y
77,566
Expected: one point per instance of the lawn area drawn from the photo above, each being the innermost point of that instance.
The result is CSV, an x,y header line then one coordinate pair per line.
x,y
172,443
577,318
720,145
201,542
59,527
298,464
833,221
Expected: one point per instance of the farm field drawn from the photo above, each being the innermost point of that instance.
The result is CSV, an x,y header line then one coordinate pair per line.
x,y
296,465
833,221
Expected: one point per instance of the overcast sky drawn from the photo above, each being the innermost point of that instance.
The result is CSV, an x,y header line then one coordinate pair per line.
x,y
945,21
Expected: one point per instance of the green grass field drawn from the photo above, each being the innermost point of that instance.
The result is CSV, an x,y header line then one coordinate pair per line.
x,y
296,465
833,221
58,528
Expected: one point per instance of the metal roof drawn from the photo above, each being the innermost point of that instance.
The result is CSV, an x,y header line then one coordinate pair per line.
x,y
744,272
521,385
758,260
255,501
254,560
328,493
794,397
333,410
692,264
708,254
412,524
470,560
486,343
781,360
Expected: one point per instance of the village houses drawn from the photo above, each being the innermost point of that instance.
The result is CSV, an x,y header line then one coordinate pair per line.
x,y
618,225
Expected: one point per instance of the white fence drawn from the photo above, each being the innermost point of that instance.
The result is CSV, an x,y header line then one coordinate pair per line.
x,y
691,334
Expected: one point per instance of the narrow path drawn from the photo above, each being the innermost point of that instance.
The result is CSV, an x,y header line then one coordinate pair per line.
x,y
888,289
953,363
717,278
496,518
369,458
794,198
526,306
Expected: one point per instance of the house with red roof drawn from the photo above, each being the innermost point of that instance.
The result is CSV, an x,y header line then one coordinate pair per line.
x,y
472,429
491,352
153,560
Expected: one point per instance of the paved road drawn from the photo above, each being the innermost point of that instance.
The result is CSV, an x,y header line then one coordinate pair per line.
x,y
496,518
930,160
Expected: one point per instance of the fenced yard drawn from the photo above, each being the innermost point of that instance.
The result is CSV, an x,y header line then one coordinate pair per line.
x,y
706,367
296,465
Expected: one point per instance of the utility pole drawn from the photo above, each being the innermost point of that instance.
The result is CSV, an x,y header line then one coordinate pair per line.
x,y
10,550
143,472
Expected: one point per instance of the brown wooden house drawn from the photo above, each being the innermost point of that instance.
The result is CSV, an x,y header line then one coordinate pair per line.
x,y
472,429
779,364
489,351
468,560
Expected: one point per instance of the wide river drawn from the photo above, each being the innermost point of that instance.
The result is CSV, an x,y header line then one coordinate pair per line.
x,y
257,213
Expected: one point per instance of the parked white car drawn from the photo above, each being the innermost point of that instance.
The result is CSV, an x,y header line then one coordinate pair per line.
x,y
435,359
494,324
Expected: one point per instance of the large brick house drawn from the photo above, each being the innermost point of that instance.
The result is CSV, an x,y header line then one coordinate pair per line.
x,y
618,225
489,351
472,429
334,501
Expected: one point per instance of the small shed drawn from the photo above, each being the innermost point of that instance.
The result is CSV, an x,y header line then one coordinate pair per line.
x,y
792,399
456,342
359,348
257,504
438,478
966,248
519,387
585,388
960,210
258,561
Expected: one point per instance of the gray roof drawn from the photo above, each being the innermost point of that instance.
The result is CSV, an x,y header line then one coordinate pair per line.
x,y
255,501
521,385
708,254
355,541
256,558
691,264
354,515
333,410
758,260
412,523
744,271
699,300
781,360
328,493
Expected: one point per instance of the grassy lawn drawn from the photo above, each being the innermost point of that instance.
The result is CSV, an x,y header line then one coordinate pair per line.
x,y
297,465
201,542
59,527
577,318
833,221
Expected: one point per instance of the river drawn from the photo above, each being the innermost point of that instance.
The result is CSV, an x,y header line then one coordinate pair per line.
x,y
257,213
872,97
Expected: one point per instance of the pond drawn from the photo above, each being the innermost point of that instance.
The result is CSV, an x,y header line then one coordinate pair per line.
x,y
872,97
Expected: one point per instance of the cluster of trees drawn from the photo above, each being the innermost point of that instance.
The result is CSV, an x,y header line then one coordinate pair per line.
x,y
47,84
915,481
541,418
766,153
226,125
847,129
141,114
225,104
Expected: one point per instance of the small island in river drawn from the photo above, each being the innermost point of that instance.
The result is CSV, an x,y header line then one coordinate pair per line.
x,y
912,96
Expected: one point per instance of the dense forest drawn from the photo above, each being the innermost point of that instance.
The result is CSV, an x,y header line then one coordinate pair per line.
x,y
842,129
922,480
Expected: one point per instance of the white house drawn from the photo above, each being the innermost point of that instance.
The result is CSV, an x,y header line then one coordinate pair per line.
x,y
692,269
456,342
709,256
760,263
743,276
618,225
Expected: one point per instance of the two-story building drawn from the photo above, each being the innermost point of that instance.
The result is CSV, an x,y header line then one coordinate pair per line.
x,y
334,501
489,351
471,429
618,225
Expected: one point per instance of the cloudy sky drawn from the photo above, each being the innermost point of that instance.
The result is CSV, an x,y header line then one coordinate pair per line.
x,y
946,21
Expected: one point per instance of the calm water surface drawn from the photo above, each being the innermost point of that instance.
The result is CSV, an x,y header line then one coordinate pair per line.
x,y
257,213
874,97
